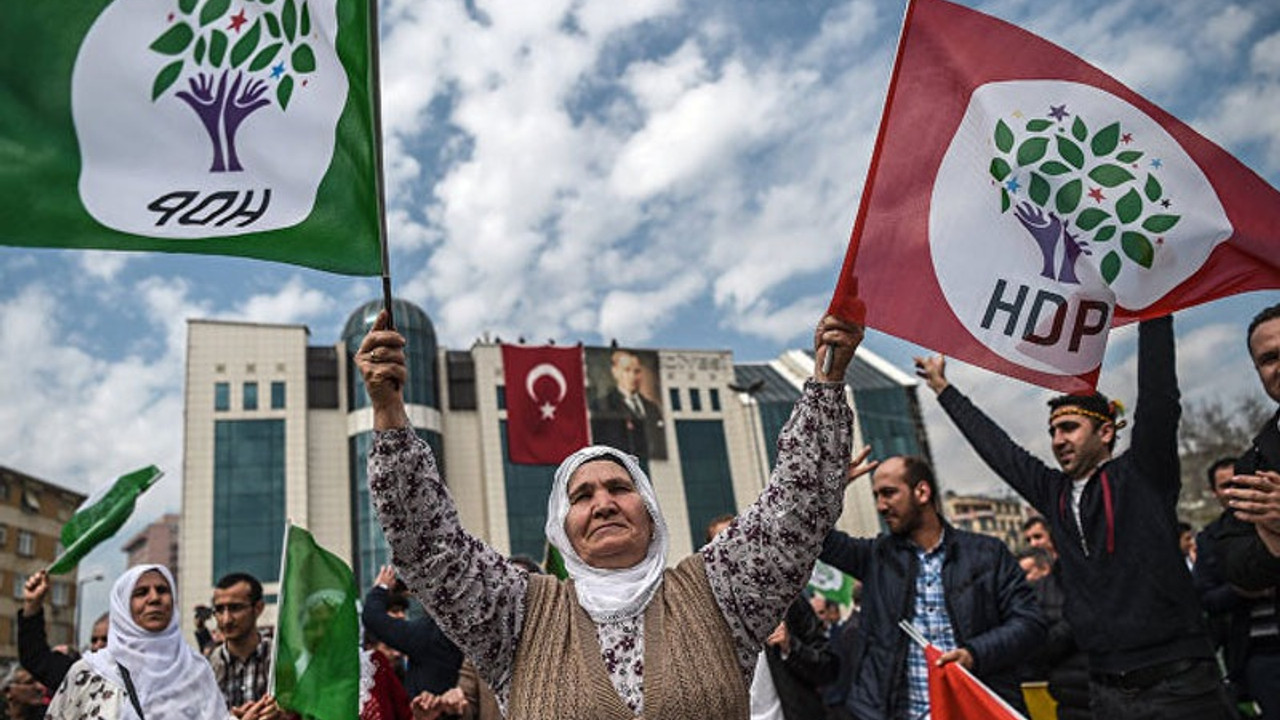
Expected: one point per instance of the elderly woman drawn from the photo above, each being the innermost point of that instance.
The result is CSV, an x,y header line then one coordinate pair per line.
x,y
626,636
146,670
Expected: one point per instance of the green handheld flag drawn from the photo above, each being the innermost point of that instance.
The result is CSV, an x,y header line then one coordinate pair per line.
x,y
316,670
554,564
194,126
101,516
831,583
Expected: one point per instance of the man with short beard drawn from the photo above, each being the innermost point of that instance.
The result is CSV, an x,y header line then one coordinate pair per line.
x,y
1129,596
963,591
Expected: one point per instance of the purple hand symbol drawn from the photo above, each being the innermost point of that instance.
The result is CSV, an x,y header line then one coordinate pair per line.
x,y
1045,231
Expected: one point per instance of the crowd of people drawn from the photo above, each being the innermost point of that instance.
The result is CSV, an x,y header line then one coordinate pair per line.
x,y
1112,604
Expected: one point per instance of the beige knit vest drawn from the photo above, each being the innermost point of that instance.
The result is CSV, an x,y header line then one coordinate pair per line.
x,y
690,665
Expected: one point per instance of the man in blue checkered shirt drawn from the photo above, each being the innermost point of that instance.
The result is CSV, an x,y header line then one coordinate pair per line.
x,y
963,591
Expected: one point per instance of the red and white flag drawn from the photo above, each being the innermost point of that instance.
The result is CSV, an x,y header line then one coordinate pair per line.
x,y
954,693
546,403
1020,203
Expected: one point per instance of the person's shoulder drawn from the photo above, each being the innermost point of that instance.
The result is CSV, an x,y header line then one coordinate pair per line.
x,y
82,674
978,541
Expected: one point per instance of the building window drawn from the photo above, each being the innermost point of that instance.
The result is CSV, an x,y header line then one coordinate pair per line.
x,y
704,464
26,543
714,393
502,397
60,594
248,497
277,395
18,582
527,487
250,396
674,396
695,400
4,536
222,396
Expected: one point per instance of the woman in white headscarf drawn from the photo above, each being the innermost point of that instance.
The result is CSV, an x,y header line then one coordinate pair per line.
x,y
146,671
626,636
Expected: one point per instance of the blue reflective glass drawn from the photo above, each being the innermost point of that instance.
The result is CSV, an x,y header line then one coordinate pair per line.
x,y
704,463
248,497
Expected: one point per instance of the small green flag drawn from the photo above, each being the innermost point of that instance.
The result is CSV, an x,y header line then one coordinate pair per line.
x,y
317,662
100,516
555,563
191,126
831,583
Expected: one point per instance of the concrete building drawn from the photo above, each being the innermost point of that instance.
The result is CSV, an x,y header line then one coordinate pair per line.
x,y
999,517
277,428
157,544
32,513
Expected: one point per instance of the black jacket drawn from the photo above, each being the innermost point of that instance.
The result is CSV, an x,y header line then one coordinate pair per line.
x,y
1230,610
809,664
434,661
44,664
992,610
1246,561
1129,596
1059,660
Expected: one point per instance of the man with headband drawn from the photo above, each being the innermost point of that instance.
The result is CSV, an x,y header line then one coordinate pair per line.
x,y
1113,519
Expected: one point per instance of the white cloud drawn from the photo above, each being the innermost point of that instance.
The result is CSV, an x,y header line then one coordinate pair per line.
x,y
1224,32
1265,55
293,303
103,265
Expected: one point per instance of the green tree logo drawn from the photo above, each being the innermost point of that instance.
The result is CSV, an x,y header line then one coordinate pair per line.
x,y
1085,192
230,62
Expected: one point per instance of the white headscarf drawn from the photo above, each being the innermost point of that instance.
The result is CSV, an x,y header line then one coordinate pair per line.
x,y
608,595
172,680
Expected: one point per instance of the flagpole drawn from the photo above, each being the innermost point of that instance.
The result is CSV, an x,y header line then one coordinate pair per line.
x,y
275,641
375,84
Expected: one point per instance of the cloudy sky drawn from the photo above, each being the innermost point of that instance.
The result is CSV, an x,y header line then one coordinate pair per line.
x,y
670,174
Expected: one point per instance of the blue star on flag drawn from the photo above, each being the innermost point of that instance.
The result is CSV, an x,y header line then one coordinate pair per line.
x,y
1012,185
277,71
1058,112
1157,163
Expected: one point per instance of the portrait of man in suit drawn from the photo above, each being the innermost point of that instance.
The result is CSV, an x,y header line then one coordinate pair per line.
x,y
624,410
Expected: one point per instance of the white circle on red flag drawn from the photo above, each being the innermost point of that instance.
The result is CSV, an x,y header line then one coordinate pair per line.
x,y
1035,277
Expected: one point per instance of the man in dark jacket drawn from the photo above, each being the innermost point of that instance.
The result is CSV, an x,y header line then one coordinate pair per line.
x,y
434,661
963,591
1251,548
1129,596
1245,623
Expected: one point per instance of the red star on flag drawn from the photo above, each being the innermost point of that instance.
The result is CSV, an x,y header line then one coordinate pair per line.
x,y
1096,194
237,20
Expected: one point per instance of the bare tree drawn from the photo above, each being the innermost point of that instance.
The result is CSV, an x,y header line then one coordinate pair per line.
x,y
1211,430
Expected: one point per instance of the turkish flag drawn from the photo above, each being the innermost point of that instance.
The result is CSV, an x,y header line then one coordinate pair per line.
x,y
546,403
1020,203
955,694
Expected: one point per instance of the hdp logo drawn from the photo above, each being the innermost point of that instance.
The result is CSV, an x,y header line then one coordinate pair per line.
x,y
1057,166
207,118
1055,202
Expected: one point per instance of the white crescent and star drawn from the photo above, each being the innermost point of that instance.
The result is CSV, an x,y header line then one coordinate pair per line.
x,y
538,372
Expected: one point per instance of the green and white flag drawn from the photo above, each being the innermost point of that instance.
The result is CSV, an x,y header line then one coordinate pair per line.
x,y
228,127
831,583
316,668
100,516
